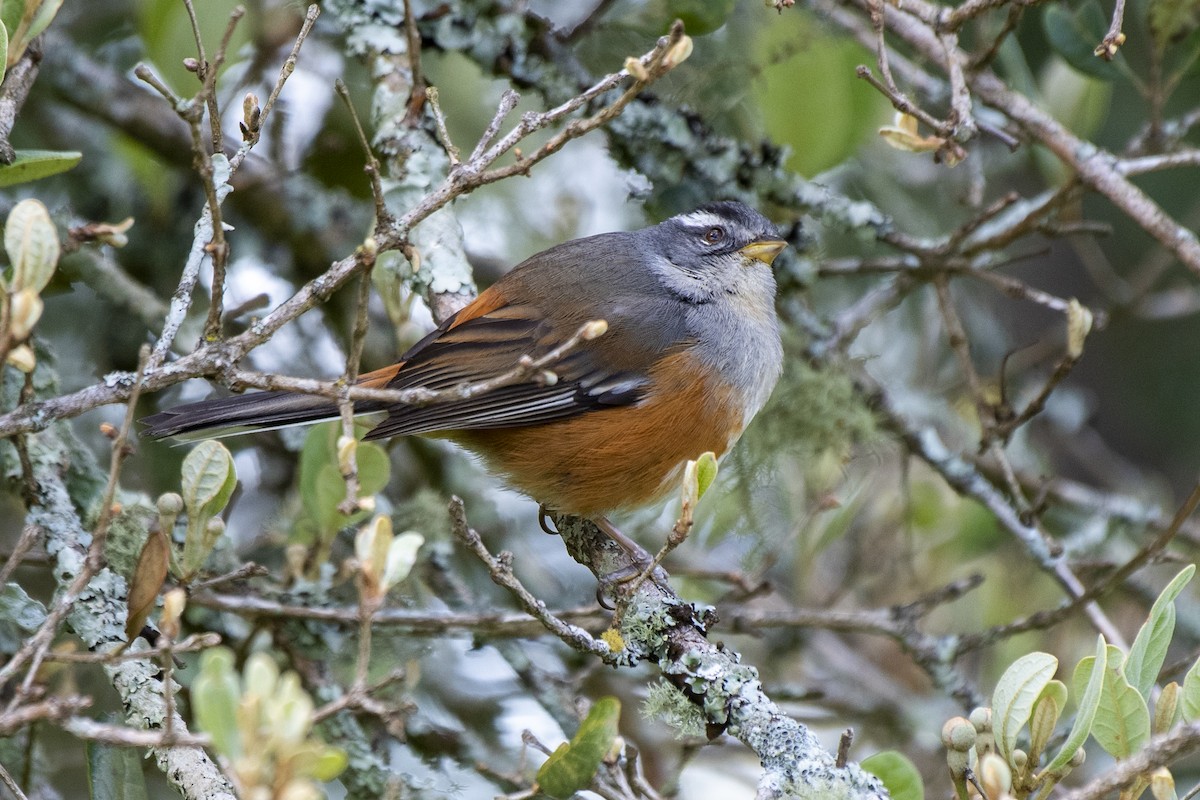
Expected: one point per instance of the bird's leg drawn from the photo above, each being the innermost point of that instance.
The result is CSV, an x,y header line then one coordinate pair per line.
x,y
643,562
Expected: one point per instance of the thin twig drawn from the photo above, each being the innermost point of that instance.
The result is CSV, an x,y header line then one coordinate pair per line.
x,y
500,569
383,216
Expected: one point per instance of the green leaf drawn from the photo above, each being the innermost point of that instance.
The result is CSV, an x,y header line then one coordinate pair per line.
x,y
46,11
1190,700
898,774
1122,723
1016,691
706,472
216,693
1149,649
31,241
114,773
1089,701
572,766
322,487
209,479
1074,36
30,165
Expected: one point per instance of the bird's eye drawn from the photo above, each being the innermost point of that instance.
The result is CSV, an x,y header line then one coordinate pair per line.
x,y
714,235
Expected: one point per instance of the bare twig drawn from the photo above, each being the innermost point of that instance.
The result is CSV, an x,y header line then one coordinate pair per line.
x,y
500,568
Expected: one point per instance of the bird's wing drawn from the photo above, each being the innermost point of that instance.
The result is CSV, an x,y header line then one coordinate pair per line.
x,y
487,339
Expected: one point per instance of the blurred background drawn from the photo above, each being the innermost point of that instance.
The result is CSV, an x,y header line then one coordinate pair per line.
x,y
822,506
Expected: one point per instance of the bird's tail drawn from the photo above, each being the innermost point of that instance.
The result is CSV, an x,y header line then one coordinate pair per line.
x,y
259,411
228,416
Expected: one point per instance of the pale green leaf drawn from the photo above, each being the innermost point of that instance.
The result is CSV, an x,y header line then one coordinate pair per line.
x,y
1016,691
31,241
1189,701
1089,701
3,51
1149,648
209,479
46,10
1122,723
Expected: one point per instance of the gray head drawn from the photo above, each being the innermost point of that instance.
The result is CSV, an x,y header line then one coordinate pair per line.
x,y
723,248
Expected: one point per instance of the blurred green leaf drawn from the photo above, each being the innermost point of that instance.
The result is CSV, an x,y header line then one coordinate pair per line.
x,y
216,693
700,17
322,487
1079,101
114,773
1075,34
572,766
30,165
1149,649
166,33
11,12
328,763
1016,691
839,110
898,774
1089,701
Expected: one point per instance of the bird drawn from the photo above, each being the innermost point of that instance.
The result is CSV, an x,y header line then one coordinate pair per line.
x,y
690,353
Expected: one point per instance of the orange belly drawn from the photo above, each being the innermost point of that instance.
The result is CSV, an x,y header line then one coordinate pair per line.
x,y
616,458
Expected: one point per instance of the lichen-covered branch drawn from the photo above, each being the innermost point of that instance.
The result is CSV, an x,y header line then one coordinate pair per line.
x,y
659,627
98,618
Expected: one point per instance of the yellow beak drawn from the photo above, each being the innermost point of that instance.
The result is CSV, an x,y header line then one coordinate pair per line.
x,y
764,250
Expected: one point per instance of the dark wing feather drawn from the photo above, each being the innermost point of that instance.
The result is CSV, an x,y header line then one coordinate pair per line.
x,y
491,345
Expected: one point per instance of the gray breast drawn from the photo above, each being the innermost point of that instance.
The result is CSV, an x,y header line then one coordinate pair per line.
x,y
738,336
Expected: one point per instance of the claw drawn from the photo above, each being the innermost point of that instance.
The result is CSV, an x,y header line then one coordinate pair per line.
x,y
544,521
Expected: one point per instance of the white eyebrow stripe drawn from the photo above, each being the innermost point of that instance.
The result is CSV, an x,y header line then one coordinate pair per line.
x,y
702,219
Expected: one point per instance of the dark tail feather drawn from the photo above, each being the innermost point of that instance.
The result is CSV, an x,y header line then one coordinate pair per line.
x,y
224,416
